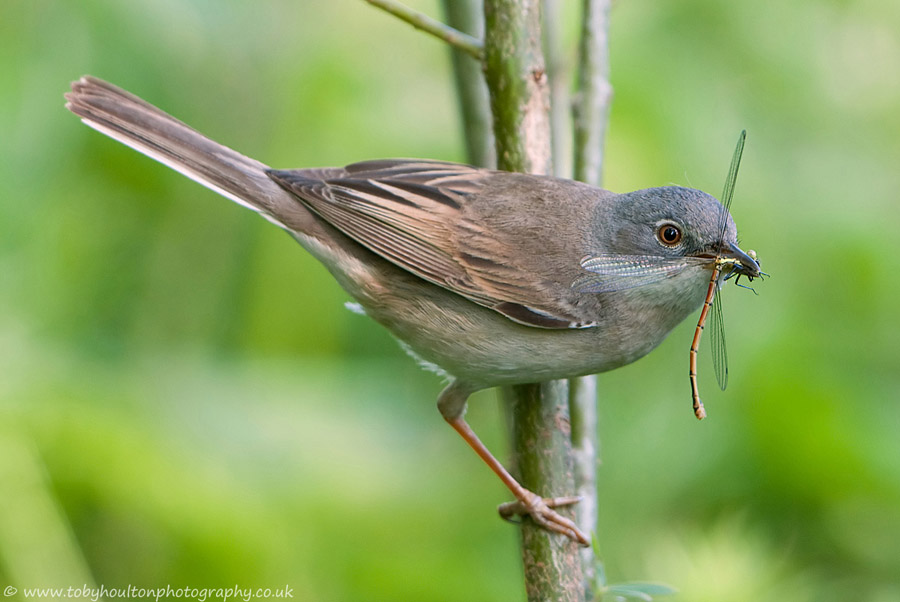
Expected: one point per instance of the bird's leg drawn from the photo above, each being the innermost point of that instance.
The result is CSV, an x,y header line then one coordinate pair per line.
x,y
452,405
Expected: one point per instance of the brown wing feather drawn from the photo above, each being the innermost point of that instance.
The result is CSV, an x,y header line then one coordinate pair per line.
x,y
412,213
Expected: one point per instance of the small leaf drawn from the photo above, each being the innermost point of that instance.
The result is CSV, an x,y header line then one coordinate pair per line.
x,y
621,592
641,590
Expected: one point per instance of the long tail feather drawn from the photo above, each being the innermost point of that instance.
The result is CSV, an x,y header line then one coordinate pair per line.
x,y
147,129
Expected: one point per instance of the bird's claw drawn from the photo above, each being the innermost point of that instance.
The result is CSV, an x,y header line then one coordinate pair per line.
x,y
541,512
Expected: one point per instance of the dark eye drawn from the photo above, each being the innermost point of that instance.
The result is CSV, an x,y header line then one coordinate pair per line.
x,y
669,235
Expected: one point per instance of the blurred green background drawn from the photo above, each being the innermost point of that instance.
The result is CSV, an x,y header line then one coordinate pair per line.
x,y
184,399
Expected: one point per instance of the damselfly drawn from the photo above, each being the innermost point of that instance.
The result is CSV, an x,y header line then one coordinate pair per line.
x,y
612,272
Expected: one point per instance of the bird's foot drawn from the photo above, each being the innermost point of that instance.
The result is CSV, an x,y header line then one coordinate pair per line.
x,y
541,512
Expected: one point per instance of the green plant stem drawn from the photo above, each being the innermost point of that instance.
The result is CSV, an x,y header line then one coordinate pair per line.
x,y
558,72
457,39
517,80
591,115
585,459
539,413
542,444
471,90
591,109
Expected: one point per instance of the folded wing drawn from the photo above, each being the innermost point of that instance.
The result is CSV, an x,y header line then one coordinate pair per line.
x,y
417,214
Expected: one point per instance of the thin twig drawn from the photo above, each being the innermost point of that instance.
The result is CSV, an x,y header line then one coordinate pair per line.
x,y
471,90
422,21
591,109
591,112
585,459
559,75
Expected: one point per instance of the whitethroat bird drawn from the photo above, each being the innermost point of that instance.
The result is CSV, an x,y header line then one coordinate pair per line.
x,y
495,278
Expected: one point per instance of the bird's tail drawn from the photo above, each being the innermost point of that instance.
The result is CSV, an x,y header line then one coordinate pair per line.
x,y
145,128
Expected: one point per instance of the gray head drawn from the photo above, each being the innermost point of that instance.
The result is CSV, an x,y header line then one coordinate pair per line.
x,y
670,221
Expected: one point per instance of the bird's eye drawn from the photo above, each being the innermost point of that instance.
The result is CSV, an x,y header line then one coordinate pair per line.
x,y
669,234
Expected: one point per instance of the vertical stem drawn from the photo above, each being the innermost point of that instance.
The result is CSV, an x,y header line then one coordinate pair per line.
x,y
591,113
517,81
585,456
560,96
541,438
468,16
591,110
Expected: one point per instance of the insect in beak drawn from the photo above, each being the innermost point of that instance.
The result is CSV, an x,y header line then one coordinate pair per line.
x,y
728,262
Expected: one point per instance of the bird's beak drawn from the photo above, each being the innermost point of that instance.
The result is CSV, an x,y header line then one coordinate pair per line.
x,y
746,264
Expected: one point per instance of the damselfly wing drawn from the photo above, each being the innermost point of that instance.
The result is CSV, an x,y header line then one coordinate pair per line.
x,y
609,273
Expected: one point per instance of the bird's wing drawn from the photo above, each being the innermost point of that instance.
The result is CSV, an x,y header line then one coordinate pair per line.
x,y
434,219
